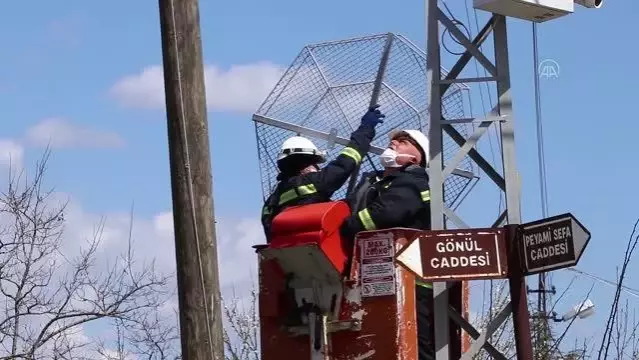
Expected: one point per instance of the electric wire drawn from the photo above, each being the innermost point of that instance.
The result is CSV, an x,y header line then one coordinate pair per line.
x,y
484,111
458,23
189,177
540,135
543,278
626,289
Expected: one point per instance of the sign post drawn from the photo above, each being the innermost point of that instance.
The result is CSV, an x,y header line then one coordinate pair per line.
x,y
512,252
553,243
518,295
455,255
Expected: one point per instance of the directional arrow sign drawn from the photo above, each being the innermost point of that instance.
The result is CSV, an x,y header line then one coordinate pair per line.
x,y
456,255
552,243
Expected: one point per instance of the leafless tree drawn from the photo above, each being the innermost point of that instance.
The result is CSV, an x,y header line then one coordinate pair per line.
x,y
620,339
609,335
545,347
48,294
241,331
625,339
151,337
494,298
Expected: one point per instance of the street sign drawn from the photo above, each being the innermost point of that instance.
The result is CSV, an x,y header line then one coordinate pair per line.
x,y
552,243
464,254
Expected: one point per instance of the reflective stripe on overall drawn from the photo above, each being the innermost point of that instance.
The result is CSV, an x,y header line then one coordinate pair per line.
x,y
367,221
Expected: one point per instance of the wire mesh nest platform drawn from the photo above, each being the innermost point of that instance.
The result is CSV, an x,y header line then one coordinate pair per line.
x,y
326,90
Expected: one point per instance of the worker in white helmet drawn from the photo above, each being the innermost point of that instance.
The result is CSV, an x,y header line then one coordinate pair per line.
x,y
398,196
301,181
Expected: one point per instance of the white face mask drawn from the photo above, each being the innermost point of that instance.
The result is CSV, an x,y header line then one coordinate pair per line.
x,y
388,158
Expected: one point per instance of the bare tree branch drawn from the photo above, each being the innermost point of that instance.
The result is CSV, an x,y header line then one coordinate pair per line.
x,y
47,294
607,339
241,335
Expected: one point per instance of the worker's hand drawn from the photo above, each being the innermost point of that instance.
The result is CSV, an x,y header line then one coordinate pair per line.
x,y
373,116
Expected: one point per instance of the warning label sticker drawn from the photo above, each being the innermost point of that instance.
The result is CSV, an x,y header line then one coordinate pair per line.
x,y
377,269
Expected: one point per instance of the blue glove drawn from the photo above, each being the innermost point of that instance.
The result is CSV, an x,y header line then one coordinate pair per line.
x,y
373,116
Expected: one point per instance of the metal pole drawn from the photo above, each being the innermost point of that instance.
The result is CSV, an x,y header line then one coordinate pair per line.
x,y
377,88
518,292
191,182
509,182
436,177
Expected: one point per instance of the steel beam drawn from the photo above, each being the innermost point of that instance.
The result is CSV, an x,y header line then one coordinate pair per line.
x,y
474,50
476,157
481,339
500,116
332,137
436,178
470,120
377,88
469,144
466,56
468,80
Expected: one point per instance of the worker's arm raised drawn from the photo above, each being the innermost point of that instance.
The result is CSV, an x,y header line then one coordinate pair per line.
x,y
330,178
399,202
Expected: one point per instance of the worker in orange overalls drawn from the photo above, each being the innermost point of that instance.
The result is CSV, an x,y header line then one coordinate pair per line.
x,y
398,196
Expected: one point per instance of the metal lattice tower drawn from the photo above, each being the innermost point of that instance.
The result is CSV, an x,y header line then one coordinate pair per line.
x,y
500,116
327,89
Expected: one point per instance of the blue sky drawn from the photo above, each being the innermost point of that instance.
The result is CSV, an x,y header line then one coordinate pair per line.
x,y
62,60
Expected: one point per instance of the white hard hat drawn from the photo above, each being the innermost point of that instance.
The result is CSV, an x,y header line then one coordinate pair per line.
x,y
419,138
298,145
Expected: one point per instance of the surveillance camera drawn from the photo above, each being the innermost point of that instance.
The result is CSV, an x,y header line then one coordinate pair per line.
x,y
596,4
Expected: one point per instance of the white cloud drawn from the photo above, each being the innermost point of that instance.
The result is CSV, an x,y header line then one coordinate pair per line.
x,y
240,88
163,223
143,90
11,154
235,238
238,260
153,240
60,133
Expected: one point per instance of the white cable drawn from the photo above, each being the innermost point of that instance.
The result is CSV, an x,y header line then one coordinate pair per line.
x,y
624,288
189,177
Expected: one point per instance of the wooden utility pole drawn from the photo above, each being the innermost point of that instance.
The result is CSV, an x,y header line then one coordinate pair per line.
x,y
191,182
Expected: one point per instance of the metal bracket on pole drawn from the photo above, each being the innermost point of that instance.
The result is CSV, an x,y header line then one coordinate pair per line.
x,y
377,87
332,138
330,143
500,115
